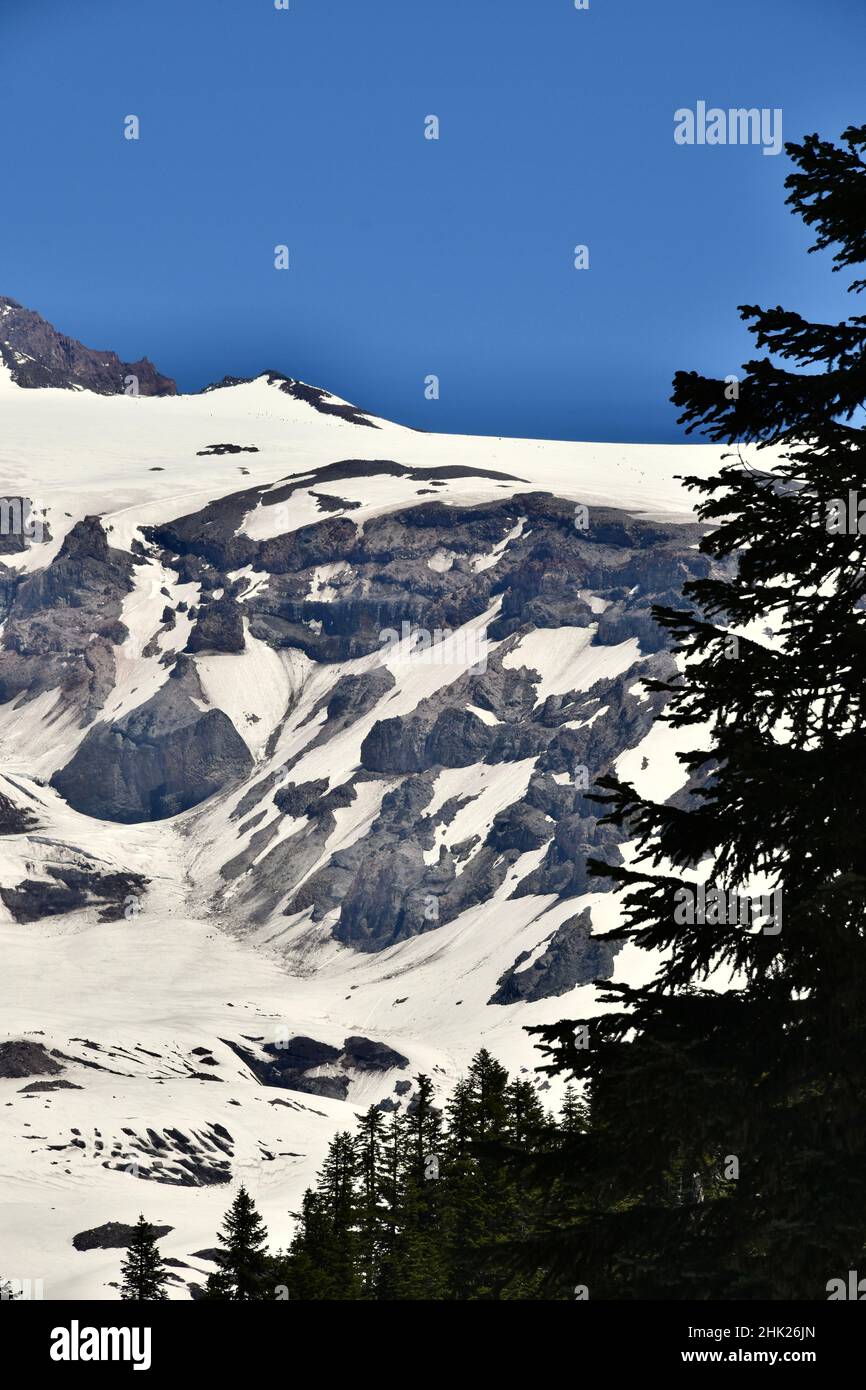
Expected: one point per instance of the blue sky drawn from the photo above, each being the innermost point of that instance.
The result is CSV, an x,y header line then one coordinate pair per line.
x,y
411,257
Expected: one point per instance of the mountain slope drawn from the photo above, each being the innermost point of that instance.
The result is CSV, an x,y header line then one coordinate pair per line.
x,y
297,721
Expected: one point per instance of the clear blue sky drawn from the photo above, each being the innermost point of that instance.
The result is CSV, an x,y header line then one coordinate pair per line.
x,y
409,256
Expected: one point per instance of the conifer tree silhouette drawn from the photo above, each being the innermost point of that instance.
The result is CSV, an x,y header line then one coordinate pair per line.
x,y
144,1274
242,1276
727,1151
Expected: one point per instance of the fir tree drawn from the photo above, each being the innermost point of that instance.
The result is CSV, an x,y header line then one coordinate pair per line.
x,y
727,1152
526,1121
417,1206
421,1270
574,1115
337,1186
393,1168
369,1151
423,1131
244,1269
488,1084
479,1197
302,1271
144,1274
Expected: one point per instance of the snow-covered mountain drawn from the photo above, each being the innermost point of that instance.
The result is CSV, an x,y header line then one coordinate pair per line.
x,y
298,712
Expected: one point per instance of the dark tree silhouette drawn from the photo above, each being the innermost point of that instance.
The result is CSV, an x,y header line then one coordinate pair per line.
x,y
242,1276
727,1151
144,1274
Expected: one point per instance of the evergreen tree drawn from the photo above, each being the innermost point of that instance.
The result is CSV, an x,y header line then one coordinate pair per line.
x,y
369,1151
244,1269
303,1269
574,1115
727,1151
423,1131
488,1085
421,1268
337,1187
526,1121
479,1197
144,1274
417,1206
393,1167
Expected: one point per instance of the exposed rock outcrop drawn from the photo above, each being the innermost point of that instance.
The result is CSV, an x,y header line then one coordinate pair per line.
x,y
219,627
15,820
68,887
25,1058
64,620
38,355
113,1235
572,957
160,759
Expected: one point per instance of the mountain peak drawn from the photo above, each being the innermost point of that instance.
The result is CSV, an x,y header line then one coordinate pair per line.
x,y
37,354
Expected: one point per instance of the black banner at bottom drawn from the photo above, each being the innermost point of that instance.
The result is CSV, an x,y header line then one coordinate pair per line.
x,y
86,1340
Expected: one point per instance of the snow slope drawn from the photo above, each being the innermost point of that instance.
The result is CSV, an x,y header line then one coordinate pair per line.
x,y
202,960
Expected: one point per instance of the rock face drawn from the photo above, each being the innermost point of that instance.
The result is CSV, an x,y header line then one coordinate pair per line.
x,y
38,355
572,957
317,1068
113,1235
21,1059
219,627
15,820
68,887
62,623
415,570
367,1055
163,757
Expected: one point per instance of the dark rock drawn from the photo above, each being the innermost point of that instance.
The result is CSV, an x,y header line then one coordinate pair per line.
x,y
520,827
298,799
60,361
69,887
227,449
54,636
15,820
219,627
329,1087
59,1085
114,1235
572,957
564,868
23,1058
301,1053
366,1055
328,502
160,759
